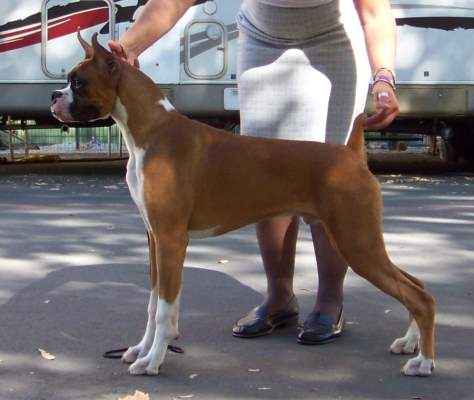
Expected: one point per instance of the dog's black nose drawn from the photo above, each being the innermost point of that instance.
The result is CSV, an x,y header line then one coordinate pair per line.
x,y
56,94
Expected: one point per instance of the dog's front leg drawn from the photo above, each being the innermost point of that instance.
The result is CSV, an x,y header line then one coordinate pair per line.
x,y
142,348
171,250
166,331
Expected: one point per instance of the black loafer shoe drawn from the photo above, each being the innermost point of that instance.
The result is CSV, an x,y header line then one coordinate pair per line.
x,y
258,322
320,328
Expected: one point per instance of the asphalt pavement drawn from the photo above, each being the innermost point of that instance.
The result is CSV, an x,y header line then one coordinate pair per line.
x,y
74,282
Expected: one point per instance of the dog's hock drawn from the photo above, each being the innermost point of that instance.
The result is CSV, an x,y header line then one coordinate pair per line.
x,y
407,344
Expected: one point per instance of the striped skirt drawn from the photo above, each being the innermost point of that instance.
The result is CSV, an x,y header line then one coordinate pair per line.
x,y
303,72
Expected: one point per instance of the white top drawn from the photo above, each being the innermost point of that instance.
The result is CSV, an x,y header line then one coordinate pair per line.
x,y
295,3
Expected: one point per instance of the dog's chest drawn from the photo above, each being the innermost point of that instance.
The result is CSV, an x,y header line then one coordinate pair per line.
x,y
135,175
135,179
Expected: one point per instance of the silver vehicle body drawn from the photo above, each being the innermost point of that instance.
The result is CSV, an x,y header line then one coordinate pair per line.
x,y
194,63
435,62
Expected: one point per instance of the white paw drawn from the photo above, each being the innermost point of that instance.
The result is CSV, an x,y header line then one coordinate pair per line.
x,y
419,366
141,367
152,369
404,345
131,354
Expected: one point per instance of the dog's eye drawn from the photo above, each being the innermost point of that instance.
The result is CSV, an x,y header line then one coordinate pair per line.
x,y
76,83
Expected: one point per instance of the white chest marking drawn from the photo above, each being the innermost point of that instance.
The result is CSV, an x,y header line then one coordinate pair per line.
x,y
165,103
135,176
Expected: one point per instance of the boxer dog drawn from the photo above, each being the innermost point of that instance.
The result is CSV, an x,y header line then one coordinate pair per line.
x,y
190,180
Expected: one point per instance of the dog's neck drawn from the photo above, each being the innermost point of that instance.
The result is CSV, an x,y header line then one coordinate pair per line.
x,y
137,96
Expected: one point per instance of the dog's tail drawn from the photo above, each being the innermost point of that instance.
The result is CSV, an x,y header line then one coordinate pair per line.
x,y
356,140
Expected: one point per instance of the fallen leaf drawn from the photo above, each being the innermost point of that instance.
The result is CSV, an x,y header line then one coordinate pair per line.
x,y
46,355
136,396
223,261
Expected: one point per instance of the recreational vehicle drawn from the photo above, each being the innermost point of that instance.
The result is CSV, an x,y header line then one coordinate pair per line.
x,y
195,63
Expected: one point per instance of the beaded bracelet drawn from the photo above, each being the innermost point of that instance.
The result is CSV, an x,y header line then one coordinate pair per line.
x,y
382,69
383,78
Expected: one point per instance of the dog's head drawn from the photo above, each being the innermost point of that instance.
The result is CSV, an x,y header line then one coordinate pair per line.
x,y
92,86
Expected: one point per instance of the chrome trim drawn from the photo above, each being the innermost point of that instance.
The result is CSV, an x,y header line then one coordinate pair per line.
x,y
44,34
224,48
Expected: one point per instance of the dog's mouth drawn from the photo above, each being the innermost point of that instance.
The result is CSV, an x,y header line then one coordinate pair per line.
x,y
65,111
60,110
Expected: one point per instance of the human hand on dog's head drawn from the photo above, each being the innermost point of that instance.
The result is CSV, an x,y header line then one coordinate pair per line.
x,y
386,107
120,50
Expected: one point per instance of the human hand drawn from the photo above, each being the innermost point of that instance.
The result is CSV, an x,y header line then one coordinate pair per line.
x,y
386,106
128,55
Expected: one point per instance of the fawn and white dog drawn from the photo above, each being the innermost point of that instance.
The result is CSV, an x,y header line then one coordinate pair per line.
x,y
192,180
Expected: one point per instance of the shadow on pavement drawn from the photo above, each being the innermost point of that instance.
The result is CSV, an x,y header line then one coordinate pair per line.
x,y
77,313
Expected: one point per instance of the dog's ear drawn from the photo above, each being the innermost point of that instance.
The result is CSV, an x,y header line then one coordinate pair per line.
x,y
86,46
106,56
97,46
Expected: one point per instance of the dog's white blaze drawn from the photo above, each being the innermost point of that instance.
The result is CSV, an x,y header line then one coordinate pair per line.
x,y
408,343
134,175
204,233
165,103
68,94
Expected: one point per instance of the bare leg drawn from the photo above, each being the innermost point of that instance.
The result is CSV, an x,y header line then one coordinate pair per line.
x,y
331,271
277,241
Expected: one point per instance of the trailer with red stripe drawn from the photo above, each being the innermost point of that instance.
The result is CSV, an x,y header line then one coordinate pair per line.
x,y
195,63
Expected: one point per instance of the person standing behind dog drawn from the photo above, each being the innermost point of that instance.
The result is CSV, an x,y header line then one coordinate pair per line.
x,y
303,74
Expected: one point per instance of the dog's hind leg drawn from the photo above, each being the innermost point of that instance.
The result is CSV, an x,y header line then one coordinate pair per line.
x,y
357,233
409,343
142,348
373,264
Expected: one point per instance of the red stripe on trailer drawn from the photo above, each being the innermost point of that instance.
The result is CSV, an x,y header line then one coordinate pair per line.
x,y
58,28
